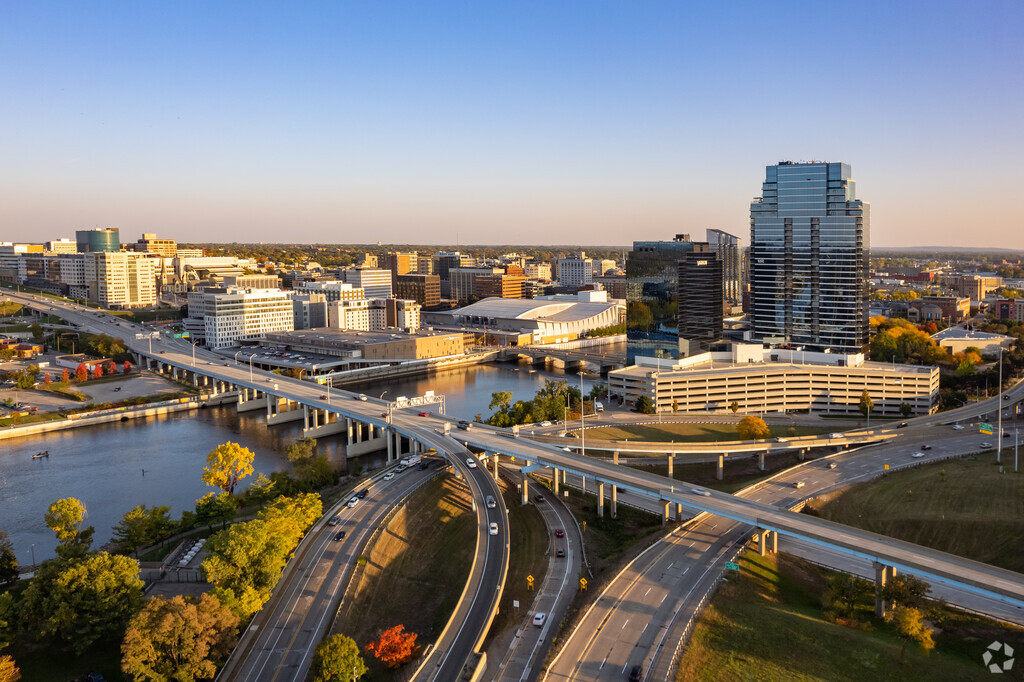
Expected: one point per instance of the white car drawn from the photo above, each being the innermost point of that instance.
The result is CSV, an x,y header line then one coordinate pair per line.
x,y
539,619
986,445
917,455
493,528
353,502
545,423
389,475
701,491
471,463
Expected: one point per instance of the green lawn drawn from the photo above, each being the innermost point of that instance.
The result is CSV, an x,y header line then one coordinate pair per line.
x,y
693,433
766,623
961,506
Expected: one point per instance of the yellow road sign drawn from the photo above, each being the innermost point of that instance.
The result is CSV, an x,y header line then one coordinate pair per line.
x,y
583,584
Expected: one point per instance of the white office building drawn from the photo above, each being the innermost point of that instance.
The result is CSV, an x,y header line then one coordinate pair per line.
x,y
120,279
576,271
233,315
374,282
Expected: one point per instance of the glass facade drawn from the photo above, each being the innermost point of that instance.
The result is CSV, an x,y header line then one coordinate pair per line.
x,y
101,239
652,300
809,249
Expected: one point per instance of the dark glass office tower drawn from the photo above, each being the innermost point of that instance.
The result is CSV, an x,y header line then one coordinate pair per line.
x,y
700,300
809,248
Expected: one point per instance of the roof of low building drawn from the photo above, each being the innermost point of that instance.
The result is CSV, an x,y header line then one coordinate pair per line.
x,y
963,334
529,309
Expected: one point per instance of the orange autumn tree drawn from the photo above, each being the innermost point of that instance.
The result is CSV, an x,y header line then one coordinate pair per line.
x,y
395,646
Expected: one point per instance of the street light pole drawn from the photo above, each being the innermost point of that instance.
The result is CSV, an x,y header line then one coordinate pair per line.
x,y
999,406
33,550
583,431
250,369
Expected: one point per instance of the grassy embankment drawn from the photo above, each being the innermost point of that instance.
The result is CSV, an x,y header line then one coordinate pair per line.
x,y
766,623
693,433
963,506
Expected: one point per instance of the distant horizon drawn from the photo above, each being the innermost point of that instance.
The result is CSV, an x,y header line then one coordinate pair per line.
x,y
569,122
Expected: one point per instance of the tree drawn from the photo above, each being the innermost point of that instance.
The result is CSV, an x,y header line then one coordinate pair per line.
x,y
753,428
301,449
675,405
142,526
80,601
866,404
644,405
81,374
8,562
735,407
65,376
243,563
127,367
37,331
25,380
226,465
9,672
111,368
64,517
394,647
905,410
337,659
906,590
843,594
178,639
97,371
910,627
47,380
214,507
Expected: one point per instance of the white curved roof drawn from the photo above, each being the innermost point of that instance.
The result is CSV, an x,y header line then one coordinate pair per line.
x,y
528,309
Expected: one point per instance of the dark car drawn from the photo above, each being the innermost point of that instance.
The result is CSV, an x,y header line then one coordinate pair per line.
x,y
424,414
464,425
559,533
340,535
559,552
902,425
538,499
363,493
634,674
926,447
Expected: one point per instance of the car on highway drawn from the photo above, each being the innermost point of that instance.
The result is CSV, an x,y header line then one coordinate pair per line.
x,y
352,502
926,447
464,425
538,499
493,528
539,619
831,465
902,425
363,493
323,396
491,504
917,455
400,468
635,674
559,552
559,533
1006,397
340,535
986,445
471,463
545,423
361,396
701,491
958,427
335,520
799,484
424,414
389,475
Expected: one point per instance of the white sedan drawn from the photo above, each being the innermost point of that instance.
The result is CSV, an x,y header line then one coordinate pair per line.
x,y
493,528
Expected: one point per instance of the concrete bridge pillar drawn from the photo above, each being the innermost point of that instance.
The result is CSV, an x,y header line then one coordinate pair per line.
x,y
496,458
600,499
615,457
615,502
679,511
883,574
760,460
554,479
769,542
721,467
671,464
390,437
348,429
664,514
800,455
583,484
526,489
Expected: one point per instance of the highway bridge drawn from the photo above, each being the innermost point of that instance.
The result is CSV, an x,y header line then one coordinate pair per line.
x,y
395,428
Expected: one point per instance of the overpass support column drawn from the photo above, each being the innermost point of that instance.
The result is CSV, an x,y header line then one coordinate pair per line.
x,y
615,457
800,455
679,511
664,514
671,464
583,484
496,458
390,436
554,479
883,574
615,501
721,467
600,500
348,429
760,460
526,488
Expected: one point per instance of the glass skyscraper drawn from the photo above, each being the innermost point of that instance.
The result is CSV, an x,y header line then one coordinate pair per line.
x,y
809,249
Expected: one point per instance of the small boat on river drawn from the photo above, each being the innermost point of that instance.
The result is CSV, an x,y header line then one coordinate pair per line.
x,y
40,455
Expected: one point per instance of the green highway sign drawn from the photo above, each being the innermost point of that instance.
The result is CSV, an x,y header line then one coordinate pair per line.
x,y
731,566
985,428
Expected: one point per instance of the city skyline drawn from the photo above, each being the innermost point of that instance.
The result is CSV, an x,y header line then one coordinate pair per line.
x,y
579,124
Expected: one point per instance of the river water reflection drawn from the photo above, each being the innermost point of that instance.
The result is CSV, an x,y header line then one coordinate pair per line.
x,y
103,465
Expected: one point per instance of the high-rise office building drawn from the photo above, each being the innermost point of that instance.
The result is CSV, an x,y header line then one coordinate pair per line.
x,y
729,250
700,300
424,289
809,249
100,239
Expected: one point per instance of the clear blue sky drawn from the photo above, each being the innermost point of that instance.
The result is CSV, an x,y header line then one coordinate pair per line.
x,y
499,122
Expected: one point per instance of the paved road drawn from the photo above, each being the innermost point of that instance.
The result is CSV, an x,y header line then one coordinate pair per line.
x,y
521,660
279,643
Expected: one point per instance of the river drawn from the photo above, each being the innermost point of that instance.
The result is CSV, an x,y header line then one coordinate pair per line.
x,y
103,465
